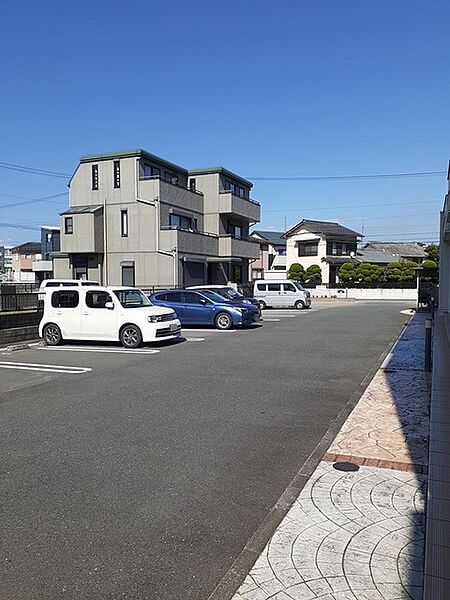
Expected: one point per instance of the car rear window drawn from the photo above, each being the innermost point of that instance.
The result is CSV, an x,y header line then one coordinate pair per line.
x,y
65,299
261,287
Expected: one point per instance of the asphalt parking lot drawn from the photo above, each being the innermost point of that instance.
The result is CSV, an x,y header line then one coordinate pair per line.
x,y
143,473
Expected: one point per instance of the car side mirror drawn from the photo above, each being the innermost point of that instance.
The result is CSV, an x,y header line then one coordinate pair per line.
x,y
109,305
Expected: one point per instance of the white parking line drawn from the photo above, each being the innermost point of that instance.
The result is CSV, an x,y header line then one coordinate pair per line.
x,y
270,320
188,339
210,330
104,350
44,368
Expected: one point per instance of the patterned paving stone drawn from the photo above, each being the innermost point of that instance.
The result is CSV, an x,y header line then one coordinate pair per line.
x,y
380,557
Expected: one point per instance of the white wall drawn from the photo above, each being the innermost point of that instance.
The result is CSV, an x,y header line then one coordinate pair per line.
x,y
306,261
322,291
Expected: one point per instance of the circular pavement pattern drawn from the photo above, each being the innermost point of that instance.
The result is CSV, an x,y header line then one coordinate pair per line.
x,y
348,536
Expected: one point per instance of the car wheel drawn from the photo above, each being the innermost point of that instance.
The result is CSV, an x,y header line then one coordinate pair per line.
x,y
262,305
299,305
131,336
52,335
223,321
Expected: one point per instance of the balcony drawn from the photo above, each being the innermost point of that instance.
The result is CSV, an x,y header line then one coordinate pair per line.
x,y
39,266
189,241
231,247
248,209
154,188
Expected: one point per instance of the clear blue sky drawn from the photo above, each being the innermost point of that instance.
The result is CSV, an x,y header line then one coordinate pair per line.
x,y
264,88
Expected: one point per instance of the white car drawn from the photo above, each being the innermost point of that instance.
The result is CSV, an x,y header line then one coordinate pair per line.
x,y
100,313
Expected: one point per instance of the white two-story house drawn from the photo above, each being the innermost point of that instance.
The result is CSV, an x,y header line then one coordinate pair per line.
x,y
324,243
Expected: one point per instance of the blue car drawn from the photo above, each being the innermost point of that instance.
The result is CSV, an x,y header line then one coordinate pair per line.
x,y
227,292
206,308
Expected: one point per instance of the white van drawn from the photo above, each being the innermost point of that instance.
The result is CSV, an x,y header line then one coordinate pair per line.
x,y
105,314
281,293
57,283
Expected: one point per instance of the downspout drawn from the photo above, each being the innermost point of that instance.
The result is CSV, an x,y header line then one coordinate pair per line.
x,y
105,241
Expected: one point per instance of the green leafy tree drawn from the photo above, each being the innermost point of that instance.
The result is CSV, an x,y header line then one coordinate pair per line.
x,y
313,274
297,272
347,273
429,271
369,273
429,264
433,253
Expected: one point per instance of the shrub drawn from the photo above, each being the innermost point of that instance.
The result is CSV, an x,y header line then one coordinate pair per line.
x,y
347,273
313,274
297,272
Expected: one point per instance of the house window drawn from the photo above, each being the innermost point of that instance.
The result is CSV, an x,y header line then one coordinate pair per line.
x,y
68,225
230,186
95,177
124,223
235,230
174,180
241,192
168,176
192,184
116,172
146,170
156,171
178,221
308,248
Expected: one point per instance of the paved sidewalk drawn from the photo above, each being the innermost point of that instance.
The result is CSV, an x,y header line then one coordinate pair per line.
x,y
359,535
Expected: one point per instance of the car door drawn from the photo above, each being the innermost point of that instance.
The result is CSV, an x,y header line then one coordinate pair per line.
x,y
198,310
65,311
97,321
173,300
290,294
274,294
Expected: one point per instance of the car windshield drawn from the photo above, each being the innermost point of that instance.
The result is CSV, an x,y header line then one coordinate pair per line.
x,y
230,293
132,298
212,296
298,286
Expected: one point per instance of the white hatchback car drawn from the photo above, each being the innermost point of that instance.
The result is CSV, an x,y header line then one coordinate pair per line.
x,y
105,314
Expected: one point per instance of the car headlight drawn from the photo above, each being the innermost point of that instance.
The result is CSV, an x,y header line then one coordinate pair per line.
x,y
242,310
152,319
245,301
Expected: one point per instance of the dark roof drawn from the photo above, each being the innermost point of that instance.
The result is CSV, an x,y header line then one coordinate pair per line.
x,y
211,170
128,154
403,249
77,210
27,248
371,255
272,237
323,227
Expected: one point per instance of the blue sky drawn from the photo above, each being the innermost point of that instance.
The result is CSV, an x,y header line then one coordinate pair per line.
x,y
280,88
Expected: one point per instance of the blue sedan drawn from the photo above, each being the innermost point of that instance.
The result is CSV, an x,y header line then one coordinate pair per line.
x,y
206,308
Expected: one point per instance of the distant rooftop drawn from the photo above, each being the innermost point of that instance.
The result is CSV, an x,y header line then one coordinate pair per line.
x,y
77,210
275,238
323,227
403,249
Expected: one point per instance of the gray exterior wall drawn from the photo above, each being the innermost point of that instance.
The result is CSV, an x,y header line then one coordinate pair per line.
x,y
160,255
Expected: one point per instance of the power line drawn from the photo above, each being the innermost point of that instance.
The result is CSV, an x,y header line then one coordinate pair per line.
x,y
33,170
32,200
337,208
16,226
334,177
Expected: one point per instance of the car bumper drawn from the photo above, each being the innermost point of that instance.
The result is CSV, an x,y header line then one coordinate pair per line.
x,y
164,330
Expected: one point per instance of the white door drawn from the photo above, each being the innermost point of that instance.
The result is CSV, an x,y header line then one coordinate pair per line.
x,y
274,294
65,311
290,294
97,321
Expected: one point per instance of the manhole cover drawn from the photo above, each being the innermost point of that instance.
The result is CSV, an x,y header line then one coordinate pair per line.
x,y
345,466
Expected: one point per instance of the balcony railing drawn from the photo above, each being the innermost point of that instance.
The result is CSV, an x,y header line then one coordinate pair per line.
x,y
174,227
152,177
240,197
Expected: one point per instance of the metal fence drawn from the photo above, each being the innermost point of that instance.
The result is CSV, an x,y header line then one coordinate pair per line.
x,y
18,301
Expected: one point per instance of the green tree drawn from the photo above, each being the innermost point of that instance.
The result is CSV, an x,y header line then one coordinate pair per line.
x,y
433,253
393,272
297,272
369,273
313,274
347,273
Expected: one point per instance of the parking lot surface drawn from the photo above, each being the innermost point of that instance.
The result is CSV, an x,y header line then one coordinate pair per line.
x,y
143,474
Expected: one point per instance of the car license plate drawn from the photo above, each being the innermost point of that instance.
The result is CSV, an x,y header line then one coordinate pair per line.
x,y
173,327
